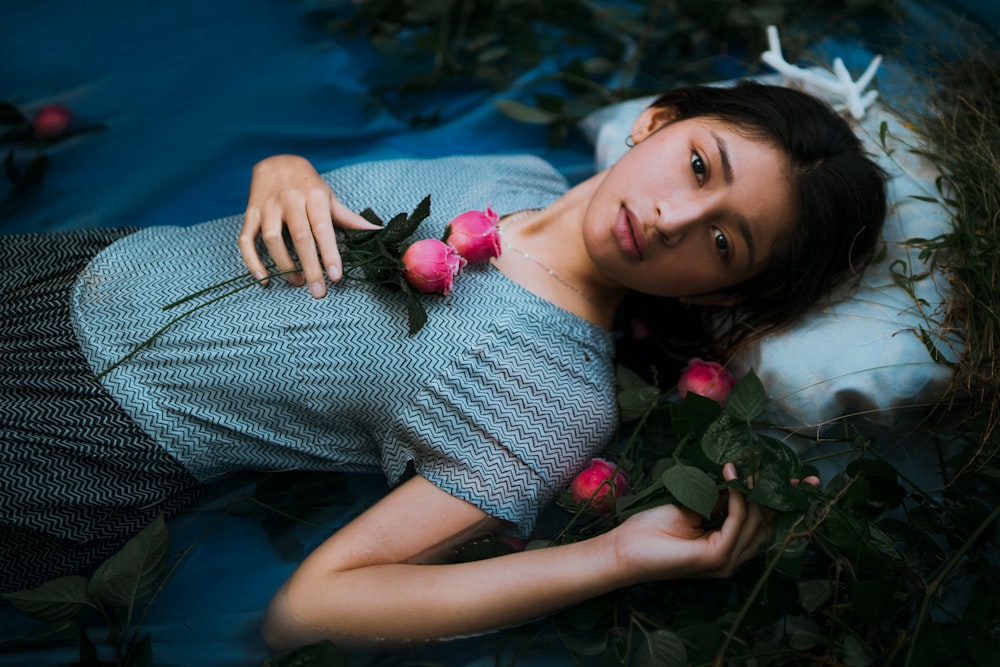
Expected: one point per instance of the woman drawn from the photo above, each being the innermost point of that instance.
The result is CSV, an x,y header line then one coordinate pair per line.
x,y
728,198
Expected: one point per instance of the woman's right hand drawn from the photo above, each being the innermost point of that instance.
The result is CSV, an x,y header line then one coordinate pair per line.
x,y
287,192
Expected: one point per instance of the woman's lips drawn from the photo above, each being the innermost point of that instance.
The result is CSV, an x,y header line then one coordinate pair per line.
x,y
628,234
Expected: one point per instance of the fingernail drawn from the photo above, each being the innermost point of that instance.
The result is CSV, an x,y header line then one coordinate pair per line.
x,y
317,289
333,272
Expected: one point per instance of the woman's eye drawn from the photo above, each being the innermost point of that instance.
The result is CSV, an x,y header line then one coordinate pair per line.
x,y
698,167
721,243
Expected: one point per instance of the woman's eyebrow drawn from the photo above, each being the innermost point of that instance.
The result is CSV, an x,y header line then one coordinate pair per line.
x,y
727,167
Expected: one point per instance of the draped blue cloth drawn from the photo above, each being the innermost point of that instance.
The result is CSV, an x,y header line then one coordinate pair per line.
x,y
190,93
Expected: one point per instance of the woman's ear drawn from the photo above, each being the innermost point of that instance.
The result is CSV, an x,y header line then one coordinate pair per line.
x,y
650,120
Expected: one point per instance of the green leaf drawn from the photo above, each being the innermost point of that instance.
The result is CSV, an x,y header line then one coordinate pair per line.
x,y
370,215
395,231
88,652
852,652
132,573
729,441
637,401
524,113
10,167
748,399
874,600
585,643
415,309
869,547
661,648
11,115
141,655
320,654
629,379
814,593
692,487
54,601
35,171
694,412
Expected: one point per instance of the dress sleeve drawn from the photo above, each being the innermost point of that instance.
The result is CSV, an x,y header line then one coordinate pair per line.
x,y
507,425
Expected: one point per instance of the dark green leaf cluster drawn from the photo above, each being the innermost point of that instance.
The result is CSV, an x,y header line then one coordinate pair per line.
x,y
603,52
375,256
126,579
27,173
855,574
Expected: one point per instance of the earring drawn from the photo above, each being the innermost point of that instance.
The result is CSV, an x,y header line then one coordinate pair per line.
x,y
629,141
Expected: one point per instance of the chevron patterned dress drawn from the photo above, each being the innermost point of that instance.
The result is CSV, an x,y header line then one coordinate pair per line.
x,y
498,400
77,476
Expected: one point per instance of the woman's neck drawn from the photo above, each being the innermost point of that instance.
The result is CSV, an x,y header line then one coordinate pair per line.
x,y
544,252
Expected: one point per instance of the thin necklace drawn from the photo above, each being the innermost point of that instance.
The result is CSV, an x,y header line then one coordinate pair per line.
x,y
514,217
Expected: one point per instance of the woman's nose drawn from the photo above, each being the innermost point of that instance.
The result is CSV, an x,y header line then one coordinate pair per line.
x,y
675,221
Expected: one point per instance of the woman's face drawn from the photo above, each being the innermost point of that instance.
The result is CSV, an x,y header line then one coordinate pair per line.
x,y
692,209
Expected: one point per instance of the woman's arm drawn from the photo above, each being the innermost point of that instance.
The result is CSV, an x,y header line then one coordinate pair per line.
x,y
286,191
369,582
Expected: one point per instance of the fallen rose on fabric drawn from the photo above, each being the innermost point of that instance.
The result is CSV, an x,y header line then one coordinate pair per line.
x,y
475,236
431,266
600,482
51,121
706,378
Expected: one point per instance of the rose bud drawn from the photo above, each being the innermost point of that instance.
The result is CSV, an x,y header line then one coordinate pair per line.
x,y
51,121
474,235
599,482
431,266
706,378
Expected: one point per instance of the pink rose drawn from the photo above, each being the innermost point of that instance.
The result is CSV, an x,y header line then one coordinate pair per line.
x,y
51,121
706,378
600,481
431,266
474,235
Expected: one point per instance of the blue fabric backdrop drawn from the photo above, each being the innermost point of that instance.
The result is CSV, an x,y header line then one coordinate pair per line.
x,y
191,94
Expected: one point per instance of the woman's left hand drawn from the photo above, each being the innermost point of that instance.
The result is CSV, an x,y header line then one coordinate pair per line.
x,y
669,542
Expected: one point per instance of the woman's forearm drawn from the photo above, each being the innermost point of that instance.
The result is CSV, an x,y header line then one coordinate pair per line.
x,y
404,602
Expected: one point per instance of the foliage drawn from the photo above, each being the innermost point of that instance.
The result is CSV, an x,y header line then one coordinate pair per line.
x,y
962,127
871,571
604,52
16,131
131,576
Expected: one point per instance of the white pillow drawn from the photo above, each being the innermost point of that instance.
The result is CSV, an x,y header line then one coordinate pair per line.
x,y
863,354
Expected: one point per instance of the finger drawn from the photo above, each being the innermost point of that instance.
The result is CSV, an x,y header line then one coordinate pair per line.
x,y
247,242
751,536
301,230
345,218
736,513
811,480
272,228
324,235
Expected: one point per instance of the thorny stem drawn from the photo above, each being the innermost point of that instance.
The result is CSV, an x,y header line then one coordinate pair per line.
x,y
932,588
755,591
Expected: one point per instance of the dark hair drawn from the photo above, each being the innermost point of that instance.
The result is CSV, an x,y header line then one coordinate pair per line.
x,y
840,198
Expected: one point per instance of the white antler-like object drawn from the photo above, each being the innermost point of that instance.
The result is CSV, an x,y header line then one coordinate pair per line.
x,y
841,84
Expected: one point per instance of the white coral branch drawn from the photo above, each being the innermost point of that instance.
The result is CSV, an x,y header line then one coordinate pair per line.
x,y
855,100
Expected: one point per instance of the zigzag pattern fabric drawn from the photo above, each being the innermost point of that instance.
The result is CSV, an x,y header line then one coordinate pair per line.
x,y
498,400
64,441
